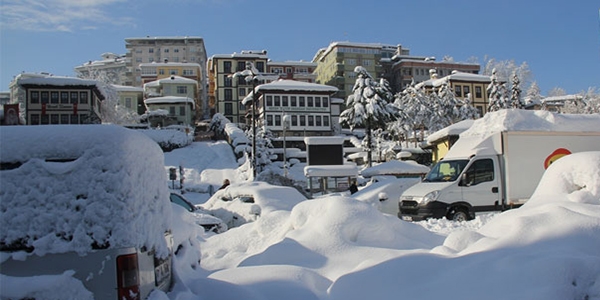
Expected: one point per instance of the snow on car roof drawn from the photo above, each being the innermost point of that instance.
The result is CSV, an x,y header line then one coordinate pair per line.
x,y
68,187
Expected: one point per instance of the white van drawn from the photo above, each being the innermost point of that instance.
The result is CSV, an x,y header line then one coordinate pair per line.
x,y
86,202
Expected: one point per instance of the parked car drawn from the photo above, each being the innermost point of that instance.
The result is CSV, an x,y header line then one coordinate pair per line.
x,y
201,217
82,202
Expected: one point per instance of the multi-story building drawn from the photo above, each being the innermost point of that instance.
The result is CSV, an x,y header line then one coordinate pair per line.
x,y
336,63
58,100
160,70
308,106
175,95
293,70
465,86
110,69
226,92
174,49
408,69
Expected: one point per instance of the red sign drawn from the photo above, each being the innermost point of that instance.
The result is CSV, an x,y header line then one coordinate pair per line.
x,y
558,153
74,108
43,108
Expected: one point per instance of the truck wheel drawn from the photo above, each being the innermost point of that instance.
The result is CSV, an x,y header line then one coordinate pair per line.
x,y
458,214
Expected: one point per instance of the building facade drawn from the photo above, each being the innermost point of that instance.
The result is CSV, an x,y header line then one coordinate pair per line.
x,y
170,110
131,98
110,69
408,69
293,70
336,63
306,105
176,49
225,91
59,100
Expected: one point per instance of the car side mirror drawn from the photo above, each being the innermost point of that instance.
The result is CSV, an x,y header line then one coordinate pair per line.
x,y
464,180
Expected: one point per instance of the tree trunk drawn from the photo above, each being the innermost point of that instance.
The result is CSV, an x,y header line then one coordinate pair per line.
x,y
369,144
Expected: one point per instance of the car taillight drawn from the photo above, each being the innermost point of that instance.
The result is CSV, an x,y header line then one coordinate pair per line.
x,y
128,280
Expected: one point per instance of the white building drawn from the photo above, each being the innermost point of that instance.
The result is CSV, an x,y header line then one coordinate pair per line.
x,y
110,69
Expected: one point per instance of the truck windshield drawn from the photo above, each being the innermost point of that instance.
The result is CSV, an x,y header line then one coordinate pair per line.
x,y
446,171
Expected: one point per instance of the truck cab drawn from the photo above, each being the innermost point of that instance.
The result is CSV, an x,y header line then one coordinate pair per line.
x,y
455,189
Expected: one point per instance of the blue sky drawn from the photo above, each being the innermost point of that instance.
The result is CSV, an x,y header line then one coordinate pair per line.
x,y
559,40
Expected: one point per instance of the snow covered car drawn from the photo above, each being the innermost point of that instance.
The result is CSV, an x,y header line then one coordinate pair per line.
x,y
245,202
81,212
201,217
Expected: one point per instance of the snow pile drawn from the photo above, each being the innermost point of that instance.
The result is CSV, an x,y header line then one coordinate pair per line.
x,y
45,287
170,138
70,188
394,167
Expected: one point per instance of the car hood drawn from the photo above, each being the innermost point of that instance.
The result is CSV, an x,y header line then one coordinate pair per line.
x,y
417,191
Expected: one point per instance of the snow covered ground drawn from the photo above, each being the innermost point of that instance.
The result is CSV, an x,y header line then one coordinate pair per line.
x,y
342,247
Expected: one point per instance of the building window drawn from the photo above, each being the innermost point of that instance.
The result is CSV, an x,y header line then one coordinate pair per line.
x,y
269,120
83,97
284,101
64,119
35,97
151,50
317,101
182,89
301,101
228,108
302,121
242,92
227,81
54,97
325,102
166,50
74,119
457,91
277,101
477,92
269,101
367,62
278,120
309,101
466,90
227,67
260,65
172,110
182,110
351,61
241,65
64,97
311,121
293,101
176,50
277,70
228,94
326,121
351,75
294,120
318,121
188,72
138,59
288,70
46,96
45,120
173,72
54,119
128,102
35,119
161,71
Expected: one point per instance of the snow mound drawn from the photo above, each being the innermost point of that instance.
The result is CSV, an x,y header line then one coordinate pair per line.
x,y
72,188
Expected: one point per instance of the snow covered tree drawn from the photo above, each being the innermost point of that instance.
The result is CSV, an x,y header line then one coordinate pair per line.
x,y
557,91
414,108
264,147
369,105
217,125
533,95
515,97
505,68
497,94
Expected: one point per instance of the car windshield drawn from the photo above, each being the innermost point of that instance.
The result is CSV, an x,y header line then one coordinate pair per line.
x,y
181,201
446,171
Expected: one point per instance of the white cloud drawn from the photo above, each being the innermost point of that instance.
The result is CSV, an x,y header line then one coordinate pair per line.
x,y
59,15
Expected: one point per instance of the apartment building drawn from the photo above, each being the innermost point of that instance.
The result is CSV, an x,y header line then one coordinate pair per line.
x,y
110,69
131,98
175,49
336,63
226,92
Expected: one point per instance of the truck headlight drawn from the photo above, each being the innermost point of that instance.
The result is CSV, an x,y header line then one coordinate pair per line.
x,y
430,197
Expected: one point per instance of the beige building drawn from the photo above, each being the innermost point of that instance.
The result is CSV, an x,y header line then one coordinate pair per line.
x,y
336,63
408,69
170,110
174,49
131,98
226,92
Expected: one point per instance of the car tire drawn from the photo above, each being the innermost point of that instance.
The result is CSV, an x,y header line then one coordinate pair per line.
x,y
458,214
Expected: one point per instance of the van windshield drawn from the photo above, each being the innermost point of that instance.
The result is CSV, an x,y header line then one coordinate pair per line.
x,y
446,171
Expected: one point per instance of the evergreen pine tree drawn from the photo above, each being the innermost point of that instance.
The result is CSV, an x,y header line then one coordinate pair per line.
x,y
515,96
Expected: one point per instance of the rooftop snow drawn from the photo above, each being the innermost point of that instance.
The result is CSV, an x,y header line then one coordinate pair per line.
x,y
454,129
169,99
395,167
57,80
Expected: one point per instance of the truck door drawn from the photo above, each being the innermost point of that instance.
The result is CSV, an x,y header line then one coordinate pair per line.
x,y
480,185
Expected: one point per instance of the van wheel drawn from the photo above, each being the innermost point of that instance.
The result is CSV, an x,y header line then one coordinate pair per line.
x,y
458,214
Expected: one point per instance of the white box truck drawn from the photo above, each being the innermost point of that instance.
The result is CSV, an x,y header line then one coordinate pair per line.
x,y
487,173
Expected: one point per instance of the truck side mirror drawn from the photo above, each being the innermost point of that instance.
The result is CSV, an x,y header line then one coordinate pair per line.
x,y
464,180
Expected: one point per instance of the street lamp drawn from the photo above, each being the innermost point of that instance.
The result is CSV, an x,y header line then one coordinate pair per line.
x,y
251,74
286,125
